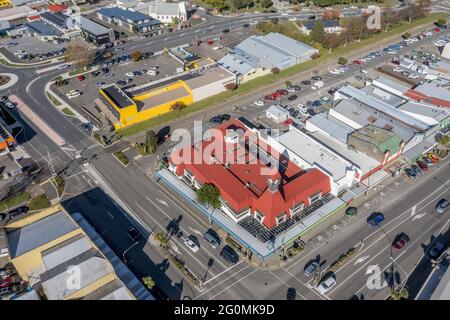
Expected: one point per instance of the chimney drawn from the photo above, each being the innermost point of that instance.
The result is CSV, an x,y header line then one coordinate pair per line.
x,y
273,185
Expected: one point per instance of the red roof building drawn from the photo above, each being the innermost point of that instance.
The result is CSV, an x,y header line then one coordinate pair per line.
x,y
237,162
428,97
56,8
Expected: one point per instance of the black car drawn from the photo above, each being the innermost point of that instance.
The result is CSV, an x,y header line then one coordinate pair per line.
x,y
316,78
104,70
416,169
293,97
309,103
226,30
331,92
17,211
216,120
311,112
225,117
229,255
410,173
121,82
246,25
133,234
295,113
306,82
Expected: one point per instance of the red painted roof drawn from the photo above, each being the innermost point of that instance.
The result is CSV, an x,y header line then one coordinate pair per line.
x,y
420,96
31,18
243,183
56,8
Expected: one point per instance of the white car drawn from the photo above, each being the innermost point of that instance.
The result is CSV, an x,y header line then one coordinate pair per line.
x,y
191,244
285,14
303,109
129,74
259,103
413,76
293,19
397,69
326,285
335,71
63,66
73,94
19,52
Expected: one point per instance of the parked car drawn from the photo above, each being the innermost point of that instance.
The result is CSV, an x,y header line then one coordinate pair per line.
x,y
229,255
10,105
282,91
400,241
81,77
434,158
225,117
428,161
212,238
216,120
121,82
375,219
306,82
358,61
95,73
422,165
17,211
442,205
310,268
410,173
191,244
316,78
133,233
416,170
326,284
293,97
436,250
269,97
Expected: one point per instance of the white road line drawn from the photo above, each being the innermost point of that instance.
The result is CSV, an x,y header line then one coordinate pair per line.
x,y
361,260
110,214
288,285
370,235
306,286
233,284
419,216
162,202
221,282
226,270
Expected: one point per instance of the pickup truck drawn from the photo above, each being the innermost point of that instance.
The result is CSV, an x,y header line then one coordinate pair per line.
x,y
317,85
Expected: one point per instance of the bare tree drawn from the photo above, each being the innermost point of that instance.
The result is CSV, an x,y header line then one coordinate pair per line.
x,y
79,54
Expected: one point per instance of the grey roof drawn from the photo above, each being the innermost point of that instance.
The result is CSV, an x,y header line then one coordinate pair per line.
x,y
386,96
124,15
164,8
363,115
430,89
326,23
118,96
114,290
437,285
65,251
385,83
277,111
32,236
44,29
88,25
380,105
238,64
21,2
424,112
331,126
55,17
92,267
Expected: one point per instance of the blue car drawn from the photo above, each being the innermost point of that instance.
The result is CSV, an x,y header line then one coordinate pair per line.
x,y
375,219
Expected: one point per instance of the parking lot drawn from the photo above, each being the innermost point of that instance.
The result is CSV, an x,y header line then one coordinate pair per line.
x,y
89,85
31,45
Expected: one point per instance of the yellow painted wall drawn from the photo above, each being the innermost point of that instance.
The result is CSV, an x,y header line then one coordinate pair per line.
x,y
259,72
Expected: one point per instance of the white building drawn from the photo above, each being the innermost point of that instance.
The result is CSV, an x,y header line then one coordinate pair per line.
x,y
277,113
330,26
163,11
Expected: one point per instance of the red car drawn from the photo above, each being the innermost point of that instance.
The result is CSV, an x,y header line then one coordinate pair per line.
x,y
401,241
282,91
269,97
422,165
358,62
395,62
434,158
81,78
437,30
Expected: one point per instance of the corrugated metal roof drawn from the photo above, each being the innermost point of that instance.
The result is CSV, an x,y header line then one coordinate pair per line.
x,y
123,14
326,23
331,126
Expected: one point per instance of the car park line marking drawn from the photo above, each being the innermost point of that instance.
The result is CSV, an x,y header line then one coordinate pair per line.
x,y
110,214
234,283
373,233
288,285
419,216
413,210
195,231
307,285
224,271
162,202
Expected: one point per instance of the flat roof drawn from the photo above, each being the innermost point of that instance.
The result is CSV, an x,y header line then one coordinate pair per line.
x,y
119,97
211,75
162,98
65,251
43,28
89,25
38,233
424,112
314,153
123,14
331,126
384,82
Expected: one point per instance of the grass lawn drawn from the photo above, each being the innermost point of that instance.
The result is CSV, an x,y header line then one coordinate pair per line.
x,y
60,184
14,200
39,203
121,157
53,99
25,65
68,112
284,74
79,71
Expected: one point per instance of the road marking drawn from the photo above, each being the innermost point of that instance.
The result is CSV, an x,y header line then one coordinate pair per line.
x,y
162,202
361,260
174,247
218,275
419,216
307,285
413,210
234,283
195,231
110,214
288,285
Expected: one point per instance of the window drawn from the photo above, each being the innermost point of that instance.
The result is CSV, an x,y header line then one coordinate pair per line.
x,y
188,174
281,218
259,216
315,197
297,208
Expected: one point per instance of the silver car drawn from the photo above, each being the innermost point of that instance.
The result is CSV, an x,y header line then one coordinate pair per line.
x,y
442,205
326,285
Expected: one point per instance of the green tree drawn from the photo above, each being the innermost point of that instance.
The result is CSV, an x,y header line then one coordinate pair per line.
x,y
134,29
406,35
275,70
399,294
136,55
219,5
288,83
149,282
441,22
79,54
178,106
265,3
240,4
209,194
151,142
318,32
444,140
342,61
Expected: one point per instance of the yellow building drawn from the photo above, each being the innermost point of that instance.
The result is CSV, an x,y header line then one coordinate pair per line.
x,y
5,3
57,258
123,109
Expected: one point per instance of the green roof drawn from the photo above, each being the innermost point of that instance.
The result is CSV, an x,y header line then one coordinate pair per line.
x,y
383,139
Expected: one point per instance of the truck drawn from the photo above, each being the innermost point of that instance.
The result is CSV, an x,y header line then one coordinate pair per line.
x,y
317,85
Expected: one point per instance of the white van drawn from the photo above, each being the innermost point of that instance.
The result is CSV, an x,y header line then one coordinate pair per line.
x,y
152,72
